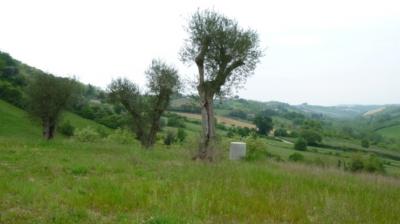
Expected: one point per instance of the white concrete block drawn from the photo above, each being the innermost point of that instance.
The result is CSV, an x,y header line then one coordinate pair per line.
x,y
237,150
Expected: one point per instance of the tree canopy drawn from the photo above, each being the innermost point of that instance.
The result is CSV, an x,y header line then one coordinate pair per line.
x,y
146,108
48,96
225,55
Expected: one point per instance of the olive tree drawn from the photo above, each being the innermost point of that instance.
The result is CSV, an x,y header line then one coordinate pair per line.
x,y
146,109
225,55
48,96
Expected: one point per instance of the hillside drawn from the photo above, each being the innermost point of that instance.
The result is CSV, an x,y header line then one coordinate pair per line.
x,y
113,180
67,181
226,105
15,122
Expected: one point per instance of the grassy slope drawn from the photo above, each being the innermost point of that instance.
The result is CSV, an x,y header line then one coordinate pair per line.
x,y
16,122
68,182
391,132
220,119
64,181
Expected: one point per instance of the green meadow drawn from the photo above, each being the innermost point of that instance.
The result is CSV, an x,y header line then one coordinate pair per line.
x,y
67,181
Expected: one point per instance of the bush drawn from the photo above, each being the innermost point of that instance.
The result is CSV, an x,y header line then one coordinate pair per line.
x,y
356,163
365,143
230,133
121,136
181,135
296,157
175,121
300,144
66,129
255,149
87,134
281,132
11,94
370,164
374,164
312,137
102,131
170,138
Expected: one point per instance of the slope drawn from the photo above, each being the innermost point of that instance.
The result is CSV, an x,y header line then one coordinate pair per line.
x,y
15,122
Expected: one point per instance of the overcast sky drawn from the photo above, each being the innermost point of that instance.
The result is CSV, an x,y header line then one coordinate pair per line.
x,y
319,52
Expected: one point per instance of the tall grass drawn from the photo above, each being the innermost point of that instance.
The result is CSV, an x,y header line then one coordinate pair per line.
x,y
69,182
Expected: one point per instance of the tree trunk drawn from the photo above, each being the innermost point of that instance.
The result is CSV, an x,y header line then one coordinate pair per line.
x,y
151,138
208,137
48,130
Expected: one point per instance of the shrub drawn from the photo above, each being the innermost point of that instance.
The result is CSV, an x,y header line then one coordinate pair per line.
x,y
300,144
296,157
374,164
312,137
365,143
230,133
170,138
281,132
255,149
370,164
87,134
102,131
175,121
181,134
121,136
66,129
356,163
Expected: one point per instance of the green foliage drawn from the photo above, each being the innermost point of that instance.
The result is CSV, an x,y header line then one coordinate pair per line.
x,y
87,134
312,137
66,129
181,134
374,164
256,148
170,138
230,133
296,157
363,163
12,94
121,136
48,96
300,144
263,123
365,143
146,109
175,120
228,53
281,132
238,114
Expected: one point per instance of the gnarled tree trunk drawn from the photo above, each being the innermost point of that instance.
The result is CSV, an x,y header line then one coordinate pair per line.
x,y
208,137
48,129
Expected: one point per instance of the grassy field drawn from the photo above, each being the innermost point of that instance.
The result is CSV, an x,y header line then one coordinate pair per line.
x,y
220,119
391,132
66,181
16,122
69,182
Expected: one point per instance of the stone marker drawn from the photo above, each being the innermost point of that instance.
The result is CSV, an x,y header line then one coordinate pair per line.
x,y
237,150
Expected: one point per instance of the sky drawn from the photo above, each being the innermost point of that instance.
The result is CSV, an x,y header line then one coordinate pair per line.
x,y
317,52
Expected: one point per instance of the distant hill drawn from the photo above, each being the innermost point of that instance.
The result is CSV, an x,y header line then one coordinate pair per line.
x,y
341,111
385,121
250,107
